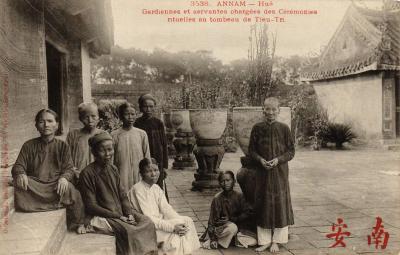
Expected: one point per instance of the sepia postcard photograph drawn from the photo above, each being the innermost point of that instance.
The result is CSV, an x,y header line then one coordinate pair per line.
x,y
199,127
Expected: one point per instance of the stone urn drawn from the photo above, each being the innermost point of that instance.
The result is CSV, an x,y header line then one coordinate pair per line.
x,y
184,141
169,132
244,118
208,125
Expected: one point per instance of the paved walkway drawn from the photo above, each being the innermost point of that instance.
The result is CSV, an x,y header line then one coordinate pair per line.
x,y
355,185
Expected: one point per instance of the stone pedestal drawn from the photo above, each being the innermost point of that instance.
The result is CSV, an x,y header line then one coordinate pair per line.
x,y
184,143
170,134
246,177
209,154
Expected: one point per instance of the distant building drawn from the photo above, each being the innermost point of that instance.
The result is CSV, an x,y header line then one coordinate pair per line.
x,y
45,51
357,78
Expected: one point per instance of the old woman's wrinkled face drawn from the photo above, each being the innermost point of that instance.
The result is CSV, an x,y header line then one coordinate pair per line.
x,y
271,110
47,124
148,107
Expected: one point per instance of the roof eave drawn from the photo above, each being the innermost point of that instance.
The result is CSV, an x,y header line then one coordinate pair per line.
x,y
334,74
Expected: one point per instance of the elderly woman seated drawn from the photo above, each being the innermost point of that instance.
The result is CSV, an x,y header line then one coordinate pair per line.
x,y
176,233
43,172
107,202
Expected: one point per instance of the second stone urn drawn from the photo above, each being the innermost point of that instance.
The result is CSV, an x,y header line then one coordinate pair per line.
x,y
184,141
169,132
208,125
244,118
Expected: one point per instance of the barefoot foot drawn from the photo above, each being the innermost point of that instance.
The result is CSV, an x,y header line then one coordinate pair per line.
x,y
274,248
262,248
81,229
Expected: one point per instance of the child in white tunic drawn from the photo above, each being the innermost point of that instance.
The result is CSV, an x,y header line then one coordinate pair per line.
x,y
131,145
176,233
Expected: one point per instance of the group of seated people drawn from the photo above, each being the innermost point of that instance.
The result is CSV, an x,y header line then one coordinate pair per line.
x,y
97,200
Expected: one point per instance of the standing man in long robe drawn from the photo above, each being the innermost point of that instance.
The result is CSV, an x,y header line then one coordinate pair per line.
x,y
106,201
156,134
271,145
43,173
131,145
78,139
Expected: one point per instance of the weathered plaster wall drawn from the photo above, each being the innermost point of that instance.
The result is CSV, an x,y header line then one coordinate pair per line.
x,y
23,86
23,81
356,100
23,74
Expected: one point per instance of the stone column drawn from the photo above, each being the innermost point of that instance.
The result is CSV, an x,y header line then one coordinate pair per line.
x,y
389,106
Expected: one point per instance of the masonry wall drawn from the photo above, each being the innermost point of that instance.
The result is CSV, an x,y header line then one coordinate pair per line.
x,y
23,85
23,74
356,100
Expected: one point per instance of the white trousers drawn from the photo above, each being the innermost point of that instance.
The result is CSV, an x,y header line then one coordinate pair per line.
x,y
179,245
265,236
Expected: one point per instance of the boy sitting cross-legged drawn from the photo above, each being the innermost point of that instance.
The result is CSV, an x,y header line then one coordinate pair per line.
x,y
228,214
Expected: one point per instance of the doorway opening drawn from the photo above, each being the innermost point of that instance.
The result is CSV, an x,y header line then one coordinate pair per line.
x,y
55,82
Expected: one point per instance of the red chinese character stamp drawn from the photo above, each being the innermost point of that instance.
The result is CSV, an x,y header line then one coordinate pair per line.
x,y
339,234
378,232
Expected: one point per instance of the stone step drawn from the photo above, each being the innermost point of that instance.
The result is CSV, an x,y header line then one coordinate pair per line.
x,y
33,233
393,147
391,141
88,244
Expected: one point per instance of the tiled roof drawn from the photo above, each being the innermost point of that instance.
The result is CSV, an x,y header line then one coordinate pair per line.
x,y
365,40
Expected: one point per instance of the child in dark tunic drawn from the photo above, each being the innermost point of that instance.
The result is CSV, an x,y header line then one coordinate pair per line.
x,y
271,146
43,173
156,134
229,214
107,202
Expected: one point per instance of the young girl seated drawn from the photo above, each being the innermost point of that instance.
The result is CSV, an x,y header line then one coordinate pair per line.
x,y
176,233
228,214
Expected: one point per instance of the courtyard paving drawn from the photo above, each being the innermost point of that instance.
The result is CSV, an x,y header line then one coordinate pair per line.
x,y
355,185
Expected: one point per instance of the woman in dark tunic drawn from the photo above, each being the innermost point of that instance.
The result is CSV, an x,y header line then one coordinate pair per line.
x,y
156,135
43,173
271,146
107,202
